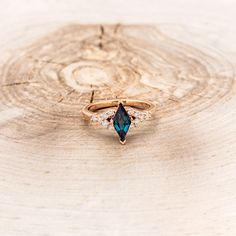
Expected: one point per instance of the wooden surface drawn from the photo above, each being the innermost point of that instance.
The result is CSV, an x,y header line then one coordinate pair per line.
x,y
60,176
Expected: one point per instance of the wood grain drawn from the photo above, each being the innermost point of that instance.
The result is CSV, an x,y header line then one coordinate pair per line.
x,y
59,176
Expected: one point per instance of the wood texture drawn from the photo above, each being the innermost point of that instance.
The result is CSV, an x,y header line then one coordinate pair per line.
x,y
60,176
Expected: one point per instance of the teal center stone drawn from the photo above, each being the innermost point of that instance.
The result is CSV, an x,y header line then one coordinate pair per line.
x,y
121,122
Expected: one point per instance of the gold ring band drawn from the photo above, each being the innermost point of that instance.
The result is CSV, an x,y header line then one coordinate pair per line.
x,y
89,109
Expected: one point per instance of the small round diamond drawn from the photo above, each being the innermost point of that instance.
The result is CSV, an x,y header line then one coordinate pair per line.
x,y
94,119
111,112
105,123
136,121
107,114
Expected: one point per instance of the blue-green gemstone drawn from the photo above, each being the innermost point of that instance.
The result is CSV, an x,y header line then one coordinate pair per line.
x,y
121,122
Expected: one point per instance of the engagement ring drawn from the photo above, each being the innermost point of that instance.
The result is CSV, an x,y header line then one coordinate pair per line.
x,y
119,114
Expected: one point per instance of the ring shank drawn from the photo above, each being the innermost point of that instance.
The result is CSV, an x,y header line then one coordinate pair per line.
x,y
90,109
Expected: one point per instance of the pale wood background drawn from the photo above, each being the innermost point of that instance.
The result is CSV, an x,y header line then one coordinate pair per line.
x,y
177,174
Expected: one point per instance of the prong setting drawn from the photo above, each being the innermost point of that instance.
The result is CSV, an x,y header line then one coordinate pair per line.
x,y
123,142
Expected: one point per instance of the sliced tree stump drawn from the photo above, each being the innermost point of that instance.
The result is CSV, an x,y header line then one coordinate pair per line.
x,y
60,176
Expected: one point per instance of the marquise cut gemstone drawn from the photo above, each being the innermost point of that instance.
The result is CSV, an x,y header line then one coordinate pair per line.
x,y
121,122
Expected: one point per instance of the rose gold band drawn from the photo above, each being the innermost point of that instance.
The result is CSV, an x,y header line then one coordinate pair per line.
x,y
91,108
